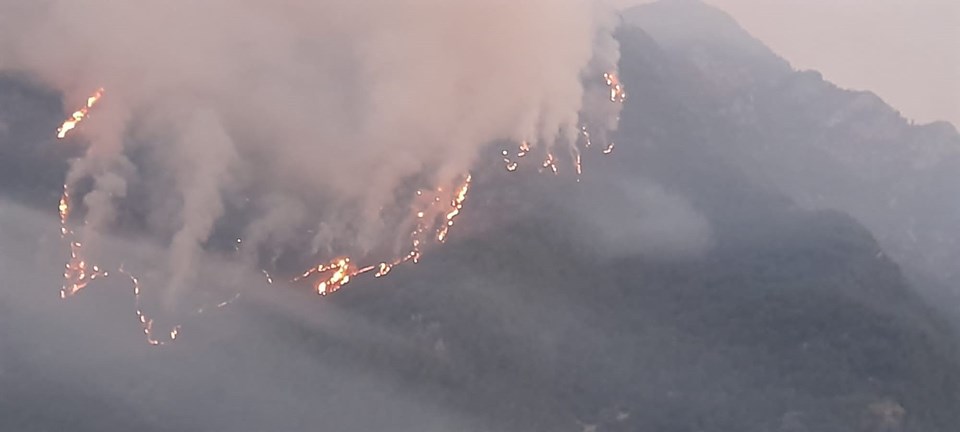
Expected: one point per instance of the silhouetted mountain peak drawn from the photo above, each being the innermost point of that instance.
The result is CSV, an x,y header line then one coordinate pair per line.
x,y
823,145
565,305
711,38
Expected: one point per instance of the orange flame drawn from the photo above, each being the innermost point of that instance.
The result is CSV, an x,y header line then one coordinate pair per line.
x,y
78,116
524,149
77,274
586,136
337,273
146,324
332,275
549,162
456,206
577,163
509,164
617,92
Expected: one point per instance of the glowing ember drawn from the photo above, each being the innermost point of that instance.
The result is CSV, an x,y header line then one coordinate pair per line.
x,y
609,148
549,162
384,269
510,165
433,224
339,271
78,116
146,324
524,149
77,273
335,274
577,163
586,136
267,276
457,205
617,92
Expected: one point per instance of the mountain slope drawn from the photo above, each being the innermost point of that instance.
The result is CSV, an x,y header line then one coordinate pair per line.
x,y
710,39
671,290
823,146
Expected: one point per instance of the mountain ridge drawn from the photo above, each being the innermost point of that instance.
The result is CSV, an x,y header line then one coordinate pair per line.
x,y
789,318
829,147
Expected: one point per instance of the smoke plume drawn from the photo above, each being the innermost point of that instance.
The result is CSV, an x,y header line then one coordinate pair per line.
x,y
333,105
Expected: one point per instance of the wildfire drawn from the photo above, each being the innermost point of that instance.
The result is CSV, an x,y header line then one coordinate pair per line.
x,y
339,271
618,95
146,324
77,273
434,220
522,151
64,208
456,205
509,164
577,163
78,116
343,269
617,92
550,162
267,276
333,275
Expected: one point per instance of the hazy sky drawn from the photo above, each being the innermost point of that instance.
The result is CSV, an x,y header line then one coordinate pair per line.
x,y
907,51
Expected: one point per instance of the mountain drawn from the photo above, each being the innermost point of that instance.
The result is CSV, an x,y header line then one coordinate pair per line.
x,y
684,284
823,146
31,164
711,40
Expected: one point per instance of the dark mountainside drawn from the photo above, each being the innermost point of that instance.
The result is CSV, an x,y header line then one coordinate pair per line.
x,y
789,318
823,146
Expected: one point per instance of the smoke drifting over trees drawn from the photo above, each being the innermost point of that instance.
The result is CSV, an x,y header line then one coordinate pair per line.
x,y
330,106
726,268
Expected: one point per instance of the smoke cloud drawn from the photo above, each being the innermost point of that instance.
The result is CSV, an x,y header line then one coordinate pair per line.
x,y
328,107
637,217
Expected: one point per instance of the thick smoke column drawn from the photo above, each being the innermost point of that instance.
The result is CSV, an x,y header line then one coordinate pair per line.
x,y
332,104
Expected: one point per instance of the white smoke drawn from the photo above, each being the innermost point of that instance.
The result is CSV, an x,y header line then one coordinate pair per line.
x,y
637,217
331,104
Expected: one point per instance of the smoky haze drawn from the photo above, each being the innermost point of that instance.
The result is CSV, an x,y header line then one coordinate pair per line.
x,y
329,107
273,356
88,346
761,251
905,51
